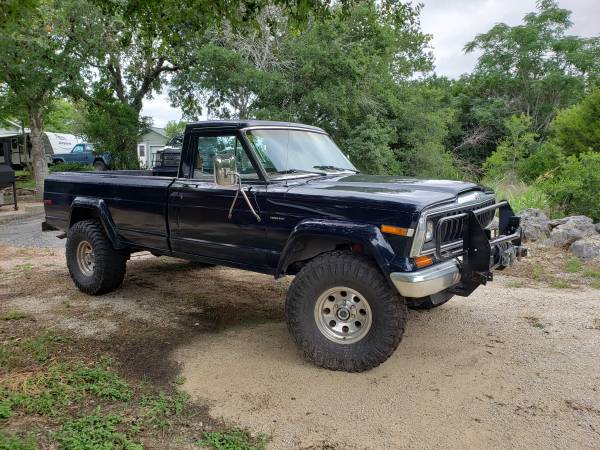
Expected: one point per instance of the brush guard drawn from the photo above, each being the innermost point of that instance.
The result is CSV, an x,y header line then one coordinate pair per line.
x,y
481,251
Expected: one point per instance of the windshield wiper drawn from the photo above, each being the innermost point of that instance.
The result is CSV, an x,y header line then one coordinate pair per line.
x,y
290,171
341,169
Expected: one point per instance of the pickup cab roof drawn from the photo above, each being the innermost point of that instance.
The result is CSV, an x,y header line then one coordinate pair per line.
x,y
242,123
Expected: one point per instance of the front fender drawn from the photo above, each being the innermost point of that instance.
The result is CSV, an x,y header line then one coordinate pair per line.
x,y
326,230
100,210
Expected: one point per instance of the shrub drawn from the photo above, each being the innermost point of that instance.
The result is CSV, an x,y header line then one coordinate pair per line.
x,y
575,187
546,158
512,149
522,196
69,167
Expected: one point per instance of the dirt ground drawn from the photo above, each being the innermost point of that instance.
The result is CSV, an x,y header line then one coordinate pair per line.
x,y
517,364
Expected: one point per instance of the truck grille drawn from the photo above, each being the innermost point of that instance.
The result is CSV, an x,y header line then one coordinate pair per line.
x,y
452,230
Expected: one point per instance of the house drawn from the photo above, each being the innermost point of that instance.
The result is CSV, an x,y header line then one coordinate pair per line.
x,y
149,144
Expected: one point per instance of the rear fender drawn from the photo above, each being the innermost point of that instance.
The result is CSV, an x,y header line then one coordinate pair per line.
x,y
312,237
84,208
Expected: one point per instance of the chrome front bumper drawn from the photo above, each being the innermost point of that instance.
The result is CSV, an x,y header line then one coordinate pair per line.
x,y
424,282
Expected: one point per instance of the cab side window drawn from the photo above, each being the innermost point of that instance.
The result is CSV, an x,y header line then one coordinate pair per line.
x,y
225,146
78,148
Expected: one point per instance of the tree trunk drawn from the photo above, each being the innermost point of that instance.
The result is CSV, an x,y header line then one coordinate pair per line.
x,y
40,164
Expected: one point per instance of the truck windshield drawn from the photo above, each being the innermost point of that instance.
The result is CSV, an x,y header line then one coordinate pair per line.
x,y
285,153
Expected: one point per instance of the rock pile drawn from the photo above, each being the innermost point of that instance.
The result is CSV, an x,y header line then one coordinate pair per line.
x,y
577,233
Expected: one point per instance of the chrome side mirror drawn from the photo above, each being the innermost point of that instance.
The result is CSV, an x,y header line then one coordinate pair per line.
x,y
225,170
226,175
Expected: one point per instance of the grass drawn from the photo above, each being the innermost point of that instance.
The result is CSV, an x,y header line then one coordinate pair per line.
x,y
595,284
234,439
560,284
591,273
158,410
535,322
96,431
573,265
13,315
51,392
520,195
515,284
28,352
10,441
536,272
69,403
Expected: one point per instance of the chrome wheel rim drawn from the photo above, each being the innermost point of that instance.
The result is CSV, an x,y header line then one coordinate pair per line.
x,y
85,258
343,315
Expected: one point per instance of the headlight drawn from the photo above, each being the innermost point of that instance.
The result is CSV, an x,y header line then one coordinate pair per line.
x,y
429,231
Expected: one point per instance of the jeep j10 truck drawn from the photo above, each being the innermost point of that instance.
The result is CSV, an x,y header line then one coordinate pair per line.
x,y
282,199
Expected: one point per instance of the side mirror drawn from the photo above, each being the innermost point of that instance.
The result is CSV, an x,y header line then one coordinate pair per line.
x,y
225,171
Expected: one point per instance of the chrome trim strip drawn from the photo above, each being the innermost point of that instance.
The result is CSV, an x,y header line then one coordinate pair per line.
x,y
424,282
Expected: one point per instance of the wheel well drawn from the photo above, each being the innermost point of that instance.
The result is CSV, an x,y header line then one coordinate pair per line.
x,y
79,214
310,247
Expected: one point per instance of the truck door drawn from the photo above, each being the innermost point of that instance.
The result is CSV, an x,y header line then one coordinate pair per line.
x,y
199,208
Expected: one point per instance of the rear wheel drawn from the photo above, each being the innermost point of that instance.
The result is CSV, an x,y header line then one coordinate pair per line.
x,y
94,265
343,313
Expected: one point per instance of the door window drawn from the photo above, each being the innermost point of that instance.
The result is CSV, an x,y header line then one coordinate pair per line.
x,y
78,148
225,146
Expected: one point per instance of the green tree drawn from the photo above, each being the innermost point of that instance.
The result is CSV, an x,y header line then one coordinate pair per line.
x,y
174,128
536,67
350,73
577,129
35,63
512,150
133,46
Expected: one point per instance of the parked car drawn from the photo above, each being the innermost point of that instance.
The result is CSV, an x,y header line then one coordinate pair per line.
x,y
282,199
83,154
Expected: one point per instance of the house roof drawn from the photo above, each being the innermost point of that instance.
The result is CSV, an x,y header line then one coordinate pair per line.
x,y
158,130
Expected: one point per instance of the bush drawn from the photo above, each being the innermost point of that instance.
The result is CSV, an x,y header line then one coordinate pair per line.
x,y
575,187
70,167
547,158
512,149
522,196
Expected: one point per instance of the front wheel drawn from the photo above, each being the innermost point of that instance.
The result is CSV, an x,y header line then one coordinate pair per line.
x,y
94,265
99,166
344,314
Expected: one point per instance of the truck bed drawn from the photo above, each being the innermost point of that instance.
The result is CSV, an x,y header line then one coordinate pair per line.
x,y
135,199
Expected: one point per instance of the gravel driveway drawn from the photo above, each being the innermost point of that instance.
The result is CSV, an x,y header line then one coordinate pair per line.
x,y
26,231
516,365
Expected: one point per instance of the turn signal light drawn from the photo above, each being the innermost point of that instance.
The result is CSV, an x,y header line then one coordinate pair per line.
x,y
396,230
423,261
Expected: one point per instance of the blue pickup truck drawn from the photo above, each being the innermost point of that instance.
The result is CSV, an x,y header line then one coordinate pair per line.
x,y
282,199
83,154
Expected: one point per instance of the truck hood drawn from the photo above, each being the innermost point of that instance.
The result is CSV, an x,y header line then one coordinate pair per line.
x,y
408,194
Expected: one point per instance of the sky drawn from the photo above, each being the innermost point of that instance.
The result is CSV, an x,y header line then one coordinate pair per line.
x,y
452,23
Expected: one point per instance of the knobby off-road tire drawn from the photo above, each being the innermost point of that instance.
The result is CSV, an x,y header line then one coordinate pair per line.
x,y
94,265
360,338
